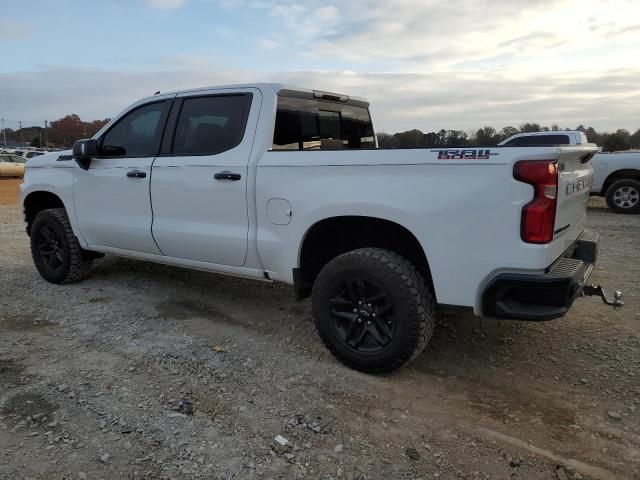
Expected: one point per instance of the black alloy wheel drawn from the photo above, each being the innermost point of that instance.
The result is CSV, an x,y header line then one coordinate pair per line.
x,y
50,248
363,315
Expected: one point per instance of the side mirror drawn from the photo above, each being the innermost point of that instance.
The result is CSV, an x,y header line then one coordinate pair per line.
x,y
84,151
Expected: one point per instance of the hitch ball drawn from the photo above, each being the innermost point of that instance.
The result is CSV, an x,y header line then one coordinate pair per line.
x,y
597,290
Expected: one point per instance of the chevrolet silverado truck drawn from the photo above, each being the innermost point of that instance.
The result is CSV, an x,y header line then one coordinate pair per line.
x,y
277,183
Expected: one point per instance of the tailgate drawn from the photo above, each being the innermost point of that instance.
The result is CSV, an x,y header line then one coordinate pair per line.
x,y
574,183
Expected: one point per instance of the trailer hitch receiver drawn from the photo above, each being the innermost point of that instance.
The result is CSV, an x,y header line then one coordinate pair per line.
x,y
597,290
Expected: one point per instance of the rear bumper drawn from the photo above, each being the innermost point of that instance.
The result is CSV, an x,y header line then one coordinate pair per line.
x,y
546,296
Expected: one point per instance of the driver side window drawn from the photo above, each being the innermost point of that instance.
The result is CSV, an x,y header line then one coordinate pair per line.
x,y
135,134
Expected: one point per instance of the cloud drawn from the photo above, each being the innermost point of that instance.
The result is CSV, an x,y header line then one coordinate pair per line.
x,y
13,30
424,64
429,101
168,4
267,44
426,34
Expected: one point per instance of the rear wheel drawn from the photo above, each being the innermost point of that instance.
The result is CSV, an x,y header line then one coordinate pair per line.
x,y
55,250
624,196
372,310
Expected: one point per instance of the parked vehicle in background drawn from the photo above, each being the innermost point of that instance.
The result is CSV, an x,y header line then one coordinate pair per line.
x,y
33,153
616,176
11,165
546,139
279,183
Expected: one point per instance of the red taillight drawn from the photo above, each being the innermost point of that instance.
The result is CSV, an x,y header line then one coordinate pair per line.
x,y
539,215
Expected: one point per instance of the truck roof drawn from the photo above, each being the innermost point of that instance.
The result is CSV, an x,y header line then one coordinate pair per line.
x,y
576,137
275,87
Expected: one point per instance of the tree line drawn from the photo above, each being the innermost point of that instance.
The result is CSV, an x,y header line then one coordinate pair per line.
x,y
488,136
60,133
66,130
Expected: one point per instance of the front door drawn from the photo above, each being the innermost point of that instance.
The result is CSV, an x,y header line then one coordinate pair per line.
x,y
199,183
112,200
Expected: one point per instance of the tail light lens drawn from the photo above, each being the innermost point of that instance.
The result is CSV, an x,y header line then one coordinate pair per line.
x,y
539,215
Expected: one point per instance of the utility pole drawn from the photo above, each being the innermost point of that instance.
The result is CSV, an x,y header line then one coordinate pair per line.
x,y
46,134
4,133
21,141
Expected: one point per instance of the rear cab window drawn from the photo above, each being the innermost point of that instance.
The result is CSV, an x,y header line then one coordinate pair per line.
x,y
321,124
539,141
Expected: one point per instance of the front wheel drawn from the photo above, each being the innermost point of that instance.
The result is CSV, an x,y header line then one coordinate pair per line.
x,y
624,196
372,310
56,252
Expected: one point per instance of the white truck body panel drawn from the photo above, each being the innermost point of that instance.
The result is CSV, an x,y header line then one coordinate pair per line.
x,y
414,189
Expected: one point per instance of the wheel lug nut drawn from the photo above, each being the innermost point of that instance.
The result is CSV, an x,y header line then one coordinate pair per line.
x,y
368,322
373,314
355,310
359,320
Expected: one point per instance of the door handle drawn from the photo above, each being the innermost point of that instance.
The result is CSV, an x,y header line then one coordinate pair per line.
x,y
136,174
227,176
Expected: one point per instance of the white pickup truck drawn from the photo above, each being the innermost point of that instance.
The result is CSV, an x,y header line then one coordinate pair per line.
x,y
616,176
285,184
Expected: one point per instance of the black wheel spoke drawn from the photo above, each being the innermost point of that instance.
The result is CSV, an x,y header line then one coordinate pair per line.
x,y
51,260
45,232
345,315
383,327
358,341
340,303
352,291
45,249
351,331
377,297
373,331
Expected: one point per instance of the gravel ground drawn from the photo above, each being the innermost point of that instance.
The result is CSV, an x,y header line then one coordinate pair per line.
x,y
148,371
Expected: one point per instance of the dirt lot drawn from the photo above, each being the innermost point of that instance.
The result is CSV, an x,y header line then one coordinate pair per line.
x,y
147,371
9,190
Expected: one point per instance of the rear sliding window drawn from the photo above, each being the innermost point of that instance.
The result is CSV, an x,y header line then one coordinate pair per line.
x,y
539,141
305,124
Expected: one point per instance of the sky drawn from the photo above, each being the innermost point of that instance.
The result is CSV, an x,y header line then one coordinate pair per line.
x,y
426,64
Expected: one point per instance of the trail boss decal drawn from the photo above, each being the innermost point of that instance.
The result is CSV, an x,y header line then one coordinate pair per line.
x,y
470,154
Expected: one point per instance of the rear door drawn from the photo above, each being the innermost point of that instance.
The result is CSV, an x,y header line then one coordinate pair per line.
x,y
111,198
199,183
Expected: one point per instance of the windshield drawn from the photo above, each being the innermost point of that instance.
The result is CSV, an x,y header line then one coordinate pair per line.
x,y
11,158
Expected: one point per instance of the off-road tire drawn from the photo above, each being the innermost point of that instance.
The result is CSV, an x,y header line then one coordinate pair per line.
x,y
74,262
413,305
613,203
